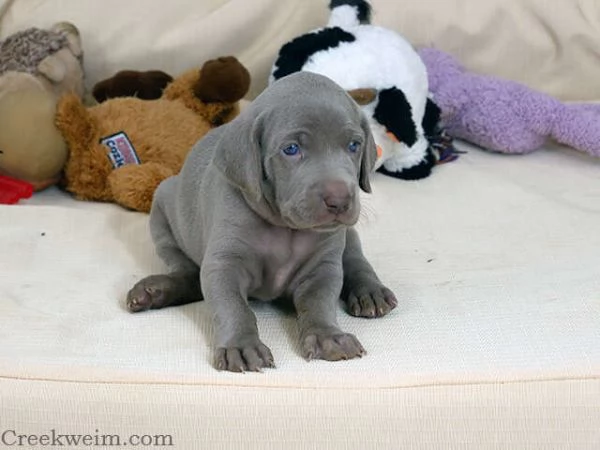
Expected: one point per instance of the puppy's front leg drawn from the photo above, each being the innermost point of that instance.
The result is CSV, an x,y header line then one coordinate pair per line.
x,y
316,299
237,346
364,294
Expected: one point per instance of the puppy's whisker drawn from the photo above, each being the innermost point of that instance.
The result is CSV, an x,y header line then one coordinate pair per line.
x,y
367,214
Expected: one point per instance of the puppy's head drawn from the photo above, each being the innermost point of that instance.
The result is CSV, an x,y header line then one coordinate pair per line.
x,y
305,148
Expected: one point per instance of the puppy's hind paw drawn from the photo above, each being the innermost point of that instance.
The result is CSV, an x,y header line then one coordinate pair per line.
x,y
138,300
148,293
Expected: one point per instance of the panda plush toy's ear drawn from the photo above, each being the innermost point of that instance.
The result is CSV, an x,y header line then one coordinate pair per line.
x,y
363,96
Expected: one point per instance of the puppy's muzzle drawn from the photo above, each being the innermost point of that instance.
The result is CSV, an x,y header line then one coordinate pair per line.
x,y
337,197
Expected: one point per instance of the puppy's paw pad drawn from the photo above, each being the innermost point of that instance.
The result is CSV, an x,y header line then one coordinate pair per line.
x,y
371,300
148,293
331,346
248,358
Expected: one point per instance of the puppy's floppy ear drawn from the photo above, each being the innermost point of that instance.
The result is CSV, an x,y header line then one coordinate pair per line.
x,y
238,155
368,158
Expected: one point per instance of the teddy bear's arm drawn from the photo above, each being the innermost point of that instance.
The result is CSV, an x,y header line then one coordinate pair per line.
x,y
133,185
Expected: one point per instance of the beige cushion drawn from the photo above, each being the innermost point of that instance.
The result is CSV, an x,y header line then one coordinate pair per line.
x,y
494,259
552,46
549,415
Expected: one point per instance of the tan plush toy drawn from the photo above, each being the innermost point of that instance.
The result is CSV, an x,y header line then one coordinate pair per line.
x,y
36,68
121,149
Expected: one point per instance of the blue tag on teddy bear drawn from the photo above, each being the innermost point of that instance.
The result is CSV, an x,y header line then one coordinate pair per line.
x,y
120,150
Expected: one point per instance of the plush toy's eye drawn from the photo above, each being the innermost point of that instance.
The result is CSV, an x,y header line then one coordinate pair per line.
x,y
291,150
354,146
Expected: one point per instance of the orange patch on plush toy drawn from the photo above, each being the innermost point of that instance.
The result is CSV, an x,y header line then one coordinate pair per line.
x,y
379,152
392,136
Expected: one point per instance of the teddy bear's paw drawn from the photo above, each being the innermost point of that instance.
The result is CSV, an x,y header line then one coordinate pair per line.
x,y
133,185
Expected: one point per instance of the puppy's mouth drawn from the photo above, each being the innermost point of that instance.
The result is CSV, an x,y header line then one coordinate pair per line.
x,y
327,228
323,222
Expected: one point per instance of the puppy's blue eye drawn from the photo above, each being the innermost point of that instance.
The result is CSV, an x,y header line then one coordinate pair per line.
x,y
353,146
291,150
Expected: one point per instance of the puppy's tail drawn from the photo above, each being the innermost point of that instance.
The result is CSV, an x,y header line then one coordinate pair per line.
x,y
349,13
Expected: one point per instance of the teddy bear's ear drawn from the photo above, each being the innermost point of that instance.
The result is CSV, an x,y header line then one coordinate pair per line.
x,y
222,80
132,83
71,32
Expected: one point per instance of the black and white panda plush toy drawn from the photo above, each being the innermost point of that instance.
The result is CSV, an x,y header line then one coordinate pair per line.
x,y
385,72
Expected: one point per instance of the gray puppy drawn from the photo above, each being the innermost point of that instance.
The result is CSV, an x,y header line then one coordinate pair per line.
x,y
263,208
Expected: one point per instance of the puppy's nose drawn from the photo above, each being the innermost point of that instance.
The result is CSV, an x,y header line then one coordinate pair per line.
x,y
336,197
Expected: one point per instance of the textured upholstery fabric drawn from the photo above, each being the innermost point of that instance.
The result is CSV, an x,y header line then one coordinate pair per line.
x,y
553,46
548,415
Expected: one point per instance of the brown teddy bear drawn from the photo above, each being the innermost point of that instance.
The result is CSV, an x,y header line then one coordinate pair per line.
x,y
120,150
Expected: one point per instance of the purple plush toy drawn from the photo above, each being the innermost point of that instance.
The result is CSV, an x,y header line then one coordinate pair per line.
x,y
506,116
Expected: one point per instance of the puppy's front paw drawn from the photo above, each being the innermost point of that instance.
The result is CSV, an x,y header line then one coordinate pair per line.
x,y
331,345
370,299
252,356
